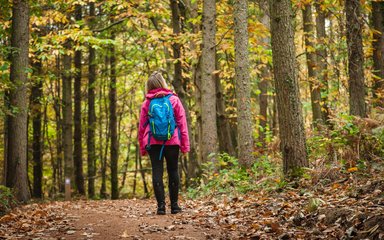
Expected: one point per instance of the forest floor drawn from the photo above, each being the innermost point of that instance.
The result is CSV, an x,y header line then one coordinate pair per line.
x,y
344,209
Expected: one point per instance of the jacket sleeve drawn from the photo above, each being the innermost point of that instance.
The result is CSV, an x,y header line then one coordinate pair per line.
x,y
181,122
142,126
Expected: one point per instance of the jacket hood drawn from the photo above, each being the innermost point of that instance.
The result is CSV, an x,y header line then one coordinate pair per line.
x,y
159,92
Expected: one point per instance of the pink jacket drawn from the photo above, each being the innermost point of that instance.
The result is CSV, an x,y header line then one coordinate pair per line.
x,y
180,118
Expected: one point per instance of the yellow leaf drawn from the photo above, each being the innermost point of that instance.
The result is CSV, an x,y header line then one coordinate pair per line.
x,y
352,169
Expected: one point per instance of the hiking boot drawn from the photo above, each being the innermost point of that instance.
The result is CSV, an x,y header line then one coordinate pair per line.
x,y
160,198
174,196
161,208
175,208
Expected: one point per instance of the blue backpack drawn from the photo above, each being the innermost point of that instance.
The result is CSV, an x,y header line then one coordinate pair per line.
x,y
161,121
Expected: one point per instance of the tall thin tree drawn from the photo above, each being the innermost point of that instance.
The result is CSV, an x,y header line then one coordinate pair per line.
x,y
36,115
378,52
264,76
113,123
291,126
243,83
177,82
67,118
91,148
77,136
17,177
355,58
208,86
314,84
321,52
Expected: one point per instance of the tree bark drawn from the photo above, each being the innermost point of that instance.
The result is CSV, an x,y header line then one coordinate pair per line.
x,y
77,137
314,84
355,58
113,124
91,149
17,174
36,115
378,52
322,69
208,85
243,84
291,127
67,118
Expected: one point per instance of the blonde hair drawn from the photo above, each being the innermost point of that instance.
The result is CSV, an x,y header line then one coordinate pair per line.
x,y
156,80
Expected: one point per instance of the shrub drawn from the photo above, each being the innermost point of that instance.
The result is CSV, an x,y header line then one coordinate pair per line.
x,y
228,177
7,200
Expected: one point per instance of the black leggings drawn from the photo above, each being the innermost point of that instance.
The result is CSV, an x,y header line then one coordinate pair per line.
x,y
171,154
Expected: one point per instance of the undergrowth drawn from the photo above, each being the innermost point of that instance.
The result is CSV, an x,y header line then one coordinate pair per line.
x,y
351,146
229,178
7,200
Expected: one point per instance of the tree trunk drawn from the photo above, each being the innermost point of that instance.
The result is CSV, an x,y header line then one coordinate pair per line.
x,y
145,186
59,136
126,163
91,149
378,52
17,175
77,136
224,133
290,117
102,145
321,52
5,139
355,58
178,80
137,154
243,84
194,157
36,115
264,79
314,85
208,85
67,119
113,124
263,105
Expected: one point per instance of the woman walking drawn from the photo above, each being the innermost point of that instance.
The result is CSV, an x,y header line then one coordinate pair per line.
x,y
163,132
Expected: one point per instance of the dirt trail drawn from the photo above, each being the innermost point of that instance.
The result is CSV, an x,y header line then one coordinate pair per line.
x,y
103,219
130,219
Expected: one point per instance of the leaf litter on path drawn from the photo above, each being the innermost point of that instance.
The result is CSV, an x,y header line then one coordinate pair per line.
x,y
342,211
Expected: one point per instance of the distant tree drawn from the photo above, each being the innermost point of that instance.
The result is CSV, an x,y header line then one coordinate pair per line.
x,y
243,84
16,175
208,85
264,77
378,52
355,58
321,64
314,84
291,127
224,131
